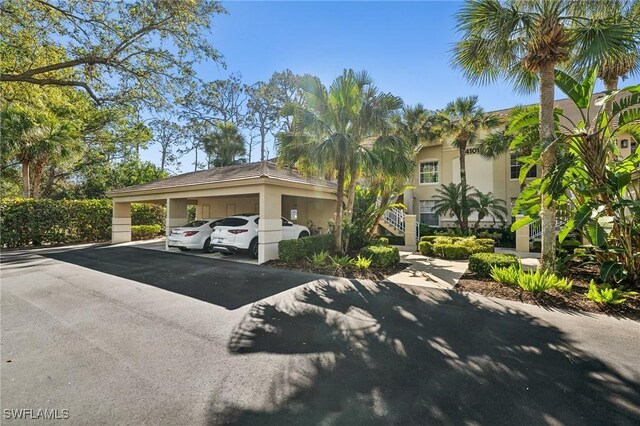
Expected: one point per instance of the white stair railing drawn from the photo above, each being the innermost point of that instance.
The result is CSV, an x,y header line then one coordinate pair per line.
x,y
535,228
395,217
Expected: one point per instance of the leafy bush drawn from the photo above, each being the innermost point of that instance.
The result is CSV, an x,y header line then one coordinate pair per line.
x,y
290,250
341,262
362,262
145,232
508,275
451,251
381,256
454,247
542,281
381,241
530,281
425,248
607,295
319,259
26,222
482,263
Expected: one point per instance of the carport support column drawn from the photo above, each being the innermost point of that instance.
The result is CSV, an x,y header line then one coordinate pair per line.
x,y
121,223
270,225
176,215
410,236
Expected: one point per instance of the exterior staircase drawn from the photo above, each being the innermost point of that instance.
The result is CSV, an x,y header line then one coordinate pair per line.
x,y
393,221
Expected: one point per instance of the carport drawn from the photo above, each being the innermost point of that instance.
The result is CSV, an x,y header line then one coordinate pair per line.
x,y
261,188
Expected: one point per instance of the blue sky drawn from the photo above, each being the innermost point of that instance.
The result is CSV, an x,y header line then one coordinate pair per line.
x,y
403,45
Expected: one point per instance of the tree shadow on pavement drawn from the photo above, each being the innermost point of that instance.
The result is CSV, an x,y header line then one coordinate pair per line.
x,y
382,354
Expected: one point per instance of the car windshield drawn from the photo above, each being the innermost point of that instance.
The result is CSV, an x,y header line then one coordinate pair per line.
x,y
232,221
194,224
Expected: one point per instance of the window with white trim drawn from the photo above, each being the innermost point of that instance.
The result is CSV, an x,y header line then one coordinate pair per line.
x,y
427,214
429,172
515,168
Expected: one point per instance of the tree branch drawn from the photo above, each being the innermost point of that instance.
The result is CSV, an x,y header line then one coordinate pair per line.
x,y
52,81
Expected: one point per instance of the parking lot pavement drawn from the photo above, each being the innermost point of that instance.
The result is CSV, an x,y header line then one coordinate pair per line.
x,y
123,335
159,245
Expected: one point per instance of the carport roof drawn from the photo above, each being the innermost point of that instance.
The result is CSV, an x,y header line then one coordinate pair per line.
x,y
228,174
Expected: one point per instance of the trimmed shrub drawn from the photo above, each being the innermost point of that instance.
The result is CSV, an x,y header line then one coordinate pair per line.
x,y
425,248
482,263
454,247
381,241
26,222
451,251
145,232
381,256
290,250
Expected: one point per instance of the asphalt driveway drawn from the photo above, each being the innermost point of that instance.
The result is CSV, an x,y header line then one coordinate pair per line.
x,y
131,336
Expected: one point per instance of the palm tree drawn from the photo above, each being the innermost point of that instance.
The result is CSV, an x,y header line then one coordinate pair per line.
x,y
463,120
524,41
329,131
417,125
226,145
487,205
448,201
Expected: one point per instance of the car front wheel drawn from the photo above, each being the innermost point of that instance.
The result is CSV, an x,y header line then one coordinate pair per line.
x,y
207,246
253,248
303,234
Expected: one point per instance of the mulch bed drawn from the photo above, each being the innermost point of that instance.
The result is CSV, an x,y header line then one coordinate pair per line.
x,y
374,274
573,300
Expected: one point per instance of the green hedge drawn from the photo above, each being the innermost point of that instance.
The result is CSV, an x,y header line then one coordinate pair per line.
x,y
290,250
455,248
381,256
25,222
145,232
481,263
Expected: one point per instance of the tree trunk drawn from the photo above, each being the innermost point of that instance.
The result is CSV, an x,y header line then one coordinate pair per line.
x,y
195,167
263,137
351,194
339,209
548,211
463,181
351,199
36,179
26,190
610,85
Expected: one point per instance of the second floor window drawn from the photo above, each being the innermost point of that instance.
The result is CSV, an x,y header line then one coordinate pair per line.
x,y
515,168
429,172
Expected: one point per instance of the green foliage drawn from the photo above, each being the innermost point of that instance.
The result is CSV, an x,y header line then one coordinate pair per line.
x,y
425,248
508,275
362,262
451,251
536,282
605,294
594,189
291,250
341,261
455,248
542,281
320,258
25,222
145,232
381,241
381,256
115,51
482,263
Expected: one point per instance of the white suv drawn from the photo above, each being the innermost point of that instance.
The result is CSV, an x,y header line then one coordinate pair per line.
x,y
240,233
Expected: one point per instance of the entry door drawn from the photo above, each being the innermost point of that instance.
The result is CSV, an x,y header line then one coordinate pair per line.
x,y
205,211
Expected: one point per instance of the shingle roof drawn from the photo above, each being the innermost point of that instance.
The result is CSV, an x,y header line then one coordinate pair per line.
x,y
226,174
